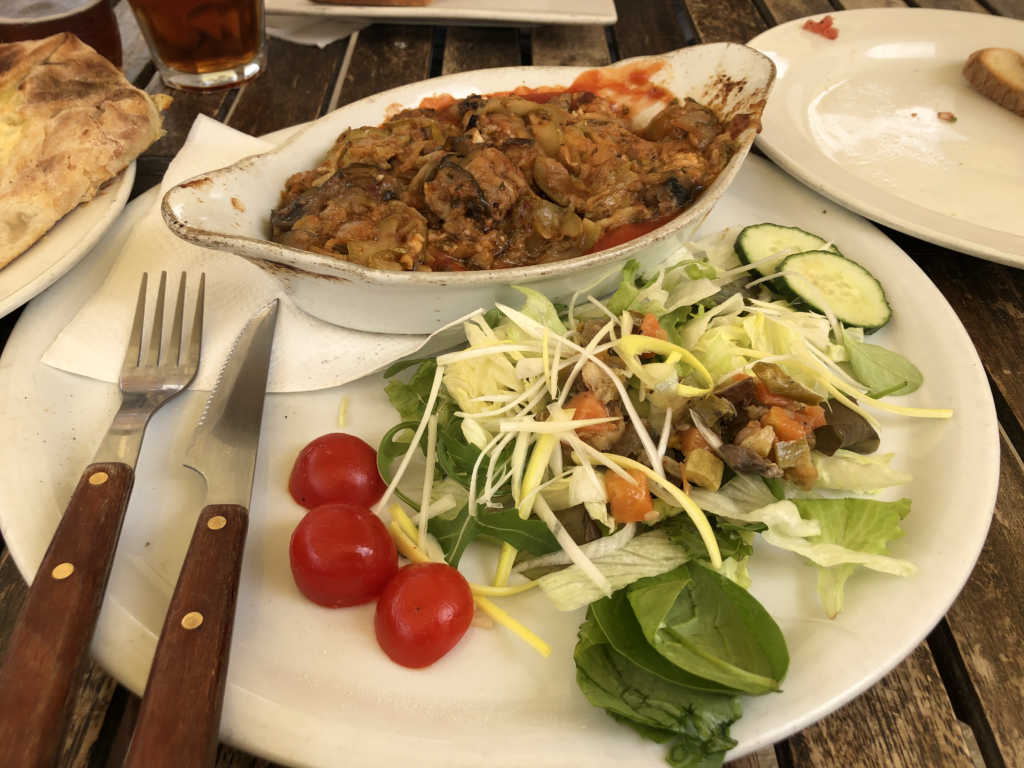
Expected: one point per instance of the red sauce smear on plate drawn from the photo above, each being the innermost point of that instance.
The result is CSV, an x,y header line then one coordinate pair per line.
x,y
823,27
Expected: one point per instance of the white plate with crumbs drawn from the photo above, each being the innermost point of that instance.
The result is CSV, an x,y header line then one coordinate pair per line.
x,y
470,12
309,686
857,119
52,255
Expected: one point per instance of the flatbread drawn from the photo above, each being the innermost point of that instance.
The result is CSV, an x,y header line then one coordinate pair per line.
x,y
69,121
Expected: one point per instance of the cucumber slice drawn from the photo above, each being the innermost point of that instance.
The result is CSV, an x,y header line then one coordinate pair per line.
x,y
852,293
762,241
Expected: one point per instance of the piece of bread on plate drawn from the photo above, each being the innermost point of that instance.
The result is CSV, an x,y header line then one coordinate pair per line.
x,y
69,121
998,73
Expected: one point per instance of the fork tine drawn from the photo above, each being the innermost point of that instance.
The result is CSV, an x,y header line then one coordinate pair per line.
x,y
174,349
191,361
131,356
157,333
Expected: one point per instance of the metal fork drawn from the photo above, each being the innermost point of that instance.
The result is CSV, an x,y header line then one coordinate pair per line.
x,y
43,663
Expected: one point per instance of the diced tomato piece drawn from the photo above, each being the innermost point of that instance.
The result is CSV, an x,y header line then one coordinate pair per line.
x,y
811,417
629,503
765,396
588,406
652,328
785,426
691,438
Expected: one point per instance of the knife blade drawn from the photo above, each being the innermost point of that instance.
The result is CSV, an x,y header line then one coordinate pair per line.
x,y
179,719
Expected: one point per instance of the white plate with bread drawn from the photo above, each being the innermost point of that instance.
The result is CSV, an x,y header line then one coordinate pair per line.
x,y
71,127
884,121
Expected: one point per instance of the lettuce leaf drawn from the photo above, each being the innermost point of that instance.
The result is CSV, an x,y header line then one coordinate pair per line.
x,y
410,400
627,291
849,471
539,308
858,525
647,555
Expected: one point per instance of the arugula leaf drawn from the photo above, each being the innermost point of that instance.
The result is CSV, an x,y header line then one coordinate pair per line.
x,y
694,622
684,534
880,369
863,525
655,708
396,368
627,291
391,448
455,534
775,486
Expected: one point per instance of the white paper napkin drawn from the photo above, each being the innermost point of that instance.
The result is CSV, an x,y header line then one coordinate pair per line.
x,y
310,30
308,354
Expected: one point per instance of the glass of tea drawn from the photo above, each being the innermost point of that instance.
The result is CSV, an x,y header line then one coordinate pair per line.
x,y
204,45
93,21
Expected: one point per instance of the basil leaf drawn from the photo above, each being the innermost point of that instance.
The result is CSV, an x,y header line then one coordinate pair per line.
x,y
455,535
882,370
619,624
690,619
655,708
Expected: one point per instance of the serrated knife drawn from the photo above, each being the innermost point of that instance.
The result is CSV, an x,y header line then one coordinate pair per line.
x,y
179,719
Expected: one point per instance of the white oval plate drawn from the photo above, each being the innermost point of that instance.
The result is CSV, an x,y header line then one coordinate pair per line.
x,y
308,686
64,245
856,119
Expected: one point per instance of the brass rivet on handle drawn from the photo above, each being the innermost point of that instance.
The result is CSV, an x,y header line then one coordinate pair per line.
x,y
216,522
62,571
99,478
192,620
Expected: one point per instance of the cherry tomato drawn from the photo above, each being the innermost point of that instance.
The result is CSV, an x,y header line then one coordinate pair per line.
x,y
341,555
336,467
422,613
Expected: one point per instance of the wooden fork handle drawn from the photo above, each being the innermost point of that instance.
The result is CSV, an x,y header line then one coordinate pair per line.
x,y
50,643
179,719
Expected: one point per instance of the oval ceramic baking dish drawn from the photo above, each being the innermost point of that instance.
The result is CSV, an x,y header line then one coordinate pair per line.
x,y
229,209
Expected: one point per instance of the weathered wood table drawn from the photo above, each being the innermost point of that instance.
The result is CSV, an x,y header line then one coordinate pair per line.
x,y
958,700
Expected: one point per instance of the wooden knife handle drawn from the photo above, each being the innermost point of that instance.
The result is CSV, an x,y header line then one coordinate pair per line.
x,y
50,643
179,719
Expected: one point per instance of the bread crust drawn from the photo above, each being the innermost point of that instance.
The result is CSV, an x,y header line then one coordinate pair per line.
x,y
75,123
998,73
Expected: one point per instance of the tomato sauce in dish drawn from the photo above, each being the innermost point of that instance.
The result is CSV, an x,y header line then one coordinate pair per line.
x,y
628,232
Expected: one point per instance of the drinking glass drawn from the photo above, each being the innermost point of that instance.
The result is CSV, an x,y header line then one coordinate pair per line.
x,y
199,45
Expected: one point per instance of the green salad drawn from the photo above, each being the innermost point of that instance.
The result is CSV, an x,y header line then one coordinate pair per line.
x,y
625,454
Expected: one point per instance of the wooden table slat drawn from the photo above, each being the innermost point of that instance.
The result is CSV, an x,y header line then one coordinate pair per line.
x,y
297,82
184,109
853,5
987,619
569,46
972,6
647,27
1012,8
905,721
782,11
731,21
386,56
134,52
468,48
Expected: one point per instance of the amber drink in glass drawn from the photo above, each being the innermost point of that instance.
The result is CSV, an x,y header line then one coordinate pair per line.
x,y
203,46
